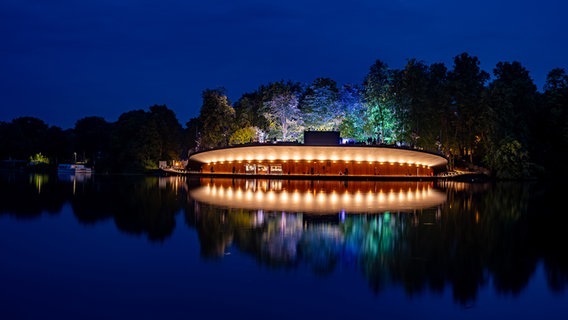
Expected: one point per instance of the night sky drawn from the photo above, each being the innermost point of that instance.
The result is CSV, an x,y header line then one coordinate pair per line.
x,y
63,60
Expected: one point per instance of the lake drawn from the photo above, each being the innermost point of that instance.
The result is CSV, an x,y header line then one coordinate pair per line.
x,y
150,247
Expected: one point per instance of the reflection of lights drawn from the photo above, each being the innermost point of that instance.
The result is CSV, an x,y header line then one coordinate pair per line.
x,y
358,197
270,196
327,197
296,196
333,197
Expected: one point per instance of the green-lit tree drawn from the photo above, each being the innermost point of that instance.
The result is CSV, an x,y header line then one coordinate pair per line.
x,y
380,118
409,91
244,135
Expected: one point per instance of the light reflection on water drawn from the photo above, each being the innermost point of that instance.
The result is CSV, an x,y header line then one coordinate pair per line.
x,y
319,197
500,245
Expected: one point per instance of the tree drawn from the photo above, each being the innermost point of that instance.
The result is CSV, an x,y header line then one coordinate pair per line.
x,y
24,137
512,100
135,142
243,135
410,88
466,84
92,140
190,138
216,118
351,100
551,131
380,119
169,130
320,107
284,117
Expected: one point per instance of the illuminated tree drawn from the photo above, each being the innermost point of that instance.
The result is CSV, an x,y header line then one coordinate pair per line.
x,y
351,100
284,117
380,121
410,86
320,106
243,135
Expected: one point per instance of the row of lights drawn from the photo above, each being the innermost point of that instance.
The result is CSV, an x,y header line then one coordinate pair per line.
x,y
334,161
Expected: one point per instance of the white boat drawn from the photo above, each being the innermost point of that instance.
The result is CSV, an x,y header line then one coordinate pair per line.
x,y
73,168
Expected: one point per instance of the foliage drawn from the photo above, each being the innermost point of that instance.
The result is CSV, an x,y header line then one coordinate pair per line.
x,y
351,100
243,135
466,85
284,117
320,107
510,160
380,117
455,112
216,118
39,158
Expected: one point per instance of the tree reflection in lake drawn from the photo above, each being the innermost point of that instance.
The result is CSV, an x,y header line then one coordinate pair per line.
x,y
421,236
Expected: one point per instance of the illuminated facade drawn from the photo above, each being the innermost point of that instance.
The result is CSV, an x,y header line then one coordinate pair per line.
x,y
323,160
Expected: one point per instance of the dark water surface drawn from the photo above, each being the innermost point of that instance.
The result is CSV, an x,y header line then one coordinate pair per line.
x,y
140,247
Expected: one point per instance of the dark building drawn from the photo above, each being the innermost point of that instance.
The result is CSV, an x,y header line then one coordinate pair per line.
x,y
321,138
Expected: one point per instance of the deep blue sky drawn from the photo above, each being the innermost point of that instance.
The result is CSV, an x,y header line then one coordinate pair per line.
x,y
62,60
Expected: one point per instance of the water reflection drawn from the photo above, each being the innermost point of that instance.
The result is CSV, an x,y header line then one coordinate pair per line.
x,y
319,197
420,236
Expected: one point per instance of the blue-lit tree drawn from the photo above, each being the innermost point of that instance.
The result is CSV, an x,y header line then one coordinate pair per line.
x,y
351,100
320,106
284,117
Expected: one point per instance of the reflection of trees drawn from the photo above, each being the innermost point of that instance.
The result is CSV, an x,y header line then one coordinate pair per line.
x,y
138,204
29,195
483,234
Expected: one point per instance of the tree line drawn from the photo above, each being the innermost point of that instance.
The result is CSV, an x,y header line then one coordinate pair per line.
x,y
502,123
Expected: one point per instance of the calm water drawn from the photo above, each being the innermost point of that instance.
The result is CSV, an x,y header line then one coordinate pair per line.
x,y
139,247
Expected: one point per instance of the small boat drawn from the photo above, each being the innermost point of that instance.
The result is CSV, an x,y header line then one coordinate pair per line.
x,y
73,168
173,170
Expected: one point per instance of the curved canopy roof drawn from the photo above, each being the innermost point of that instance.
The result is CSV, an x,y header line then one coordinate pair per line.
x,y
263,152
